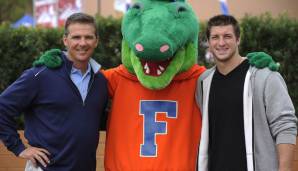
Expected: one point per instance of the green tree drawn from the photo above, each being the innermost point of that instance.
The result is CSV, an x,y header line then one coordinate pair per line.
x,y
12,10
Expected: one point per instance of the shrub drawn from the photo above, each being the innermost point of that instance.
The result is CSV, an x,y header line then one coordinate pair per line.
x,y
275,36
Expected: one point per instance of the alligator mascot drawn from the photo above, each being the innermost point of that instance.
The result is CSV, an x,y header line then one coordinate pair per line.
x,y
154,121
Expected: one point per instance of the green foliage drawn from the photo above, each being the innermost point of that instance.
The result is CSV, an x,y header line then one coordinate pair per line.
x,y
108,52
19,47
202,46
275,36
12,10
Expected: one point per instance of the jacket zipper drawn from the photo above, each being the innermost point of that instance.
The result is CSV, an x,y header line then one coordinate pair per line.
x,y
89,88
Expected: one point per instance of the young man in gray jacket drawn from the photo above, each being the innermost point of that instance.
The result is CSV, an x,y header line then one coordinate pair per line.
x,y
249,120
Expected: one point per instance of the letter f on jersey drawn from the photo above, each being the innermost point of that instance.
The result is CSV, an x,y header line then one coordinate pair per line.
x,y
151,127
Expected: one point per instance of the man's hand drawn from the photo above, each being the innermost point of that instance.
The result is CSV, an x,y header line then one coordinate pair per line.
x,y
35,155
50,59
262,60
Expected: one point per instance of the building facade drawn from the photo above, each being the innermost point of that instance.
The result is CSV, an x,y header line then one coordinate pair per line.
x,y
205,9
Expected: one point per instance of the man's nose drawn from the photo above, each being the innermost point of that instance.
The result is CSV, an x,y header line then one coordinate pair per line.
x,y
221,41
82,41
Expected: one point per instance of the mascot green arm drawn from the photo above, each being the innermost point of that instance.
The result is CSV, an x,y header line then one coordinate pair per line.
x,y
262,60
51,59
156,52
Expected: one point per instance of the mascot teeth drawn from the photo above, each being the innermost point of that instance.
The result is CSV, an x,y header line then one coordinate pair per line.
x,y
159,72
161,68
155,68
147,69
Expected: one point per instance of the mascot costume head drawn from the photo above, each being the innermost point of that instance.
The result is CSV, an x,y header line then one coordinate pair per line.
x,y
160,40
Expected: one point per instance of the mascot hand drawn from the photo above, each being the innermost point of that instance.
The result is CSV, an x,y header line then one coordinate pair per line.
x,y
50,59
262,60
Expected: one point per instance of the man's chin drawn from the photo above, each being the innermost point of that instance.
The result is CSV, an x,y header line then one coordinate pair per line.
x,y
84,57
222,58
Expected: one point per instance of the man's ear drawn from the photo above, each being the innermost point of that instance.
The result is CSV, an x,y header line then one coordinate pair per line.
x,y
239,41
97,41
64,39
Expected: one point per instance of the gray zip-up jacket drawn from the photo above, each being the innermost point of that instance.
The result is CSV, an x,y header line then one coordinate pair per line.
x,y
269,118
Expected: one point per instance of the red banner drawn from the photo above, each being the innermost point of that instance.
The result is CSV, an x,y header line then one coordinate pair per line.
x,y
45,13
53,13
66,8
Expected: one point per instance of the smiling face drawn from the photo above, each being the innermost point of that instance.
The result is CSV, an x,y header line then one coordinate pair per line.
x,y
80,41
223,42
159,40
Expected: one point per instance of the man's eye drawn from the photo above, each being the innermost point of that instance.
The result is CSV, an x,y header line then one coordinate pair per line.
x,y
75,37
90,37
214,38
137,6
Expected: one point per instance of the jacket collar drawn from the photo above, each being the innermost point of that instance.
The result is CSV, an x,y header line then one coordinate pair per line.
x,y
68,64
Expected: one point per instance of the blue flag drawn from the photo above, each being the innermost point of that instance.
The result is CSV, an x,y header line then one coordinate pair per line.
x,y
25,21
122,5
224,7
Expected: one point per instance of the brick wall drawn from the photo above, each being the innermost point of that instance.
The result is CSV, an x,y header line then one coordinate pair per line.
x,y
8,162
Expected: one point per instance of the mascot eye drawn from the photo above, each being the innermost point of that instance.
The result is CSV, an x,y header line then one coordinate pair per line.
x,y
181,9
137,6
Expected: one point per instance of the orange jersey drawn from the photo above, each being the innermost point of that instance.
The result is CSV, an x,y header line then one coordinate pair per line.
x,y
152,129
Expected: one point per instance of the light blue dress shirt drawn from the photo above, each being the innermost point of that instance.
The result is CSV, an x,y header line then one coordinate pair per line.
x,y
81,81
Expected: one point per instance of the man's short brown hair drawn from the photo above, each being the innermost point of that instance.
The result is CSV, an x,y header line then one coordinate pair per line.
x,y
223,20
81,18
